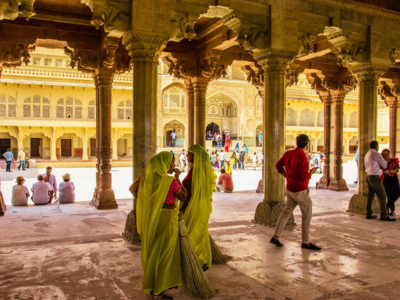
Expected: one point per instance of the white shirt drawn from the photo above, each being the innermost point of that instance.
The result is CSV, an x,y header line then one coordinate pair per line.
x,y
222,156
52,181
173,134
374,162
19,197
66,192
41,192
182,157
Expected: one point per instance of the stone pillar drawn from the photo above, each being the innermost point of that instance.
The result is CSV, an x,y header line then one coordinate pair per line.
x,y
347,146
85,148
115,149
324,181
337,183
96,150
105,198
200,95
394,119
274,66
190,108
367,77
145,51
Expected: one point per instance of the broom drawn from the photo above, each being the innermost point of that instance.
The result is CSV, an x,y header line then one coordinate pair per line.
x,y
194,282
218,257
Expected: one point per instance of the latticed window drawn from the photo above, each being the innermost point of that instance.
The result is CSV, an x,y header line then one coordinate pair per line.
x,y
174,98
92,110
36,107
237,73
8,106
69,108
124,111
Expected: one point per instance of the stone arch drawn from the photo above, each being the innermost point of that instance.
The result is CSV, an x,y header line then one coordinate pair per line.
x,y
291,117
180,131
228,112
176,101
306,118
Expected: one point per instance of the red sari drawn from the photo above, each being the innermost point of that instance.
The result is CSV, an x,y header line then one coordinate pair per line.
x,y
227,143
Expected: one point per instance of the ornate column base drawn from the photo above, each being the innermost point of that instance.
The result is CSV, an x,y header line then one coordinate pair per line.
x,y
323,183
105,200
260,187
130,232
268,215
338,185
358,205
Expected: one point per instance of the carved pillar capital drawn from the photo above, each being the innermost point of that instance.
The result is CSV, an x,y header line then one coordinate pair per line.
x,y
274,62
9,9
144,48
368,75
13,55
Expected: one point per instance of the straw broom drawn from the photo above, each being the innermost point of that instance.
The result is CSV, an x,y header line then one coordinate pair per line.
x,y
194,282
218,257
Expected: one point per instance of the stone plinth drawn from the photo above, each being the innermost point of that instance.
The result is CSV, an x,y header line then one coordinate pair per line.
x,y
130,232
268,215
358,205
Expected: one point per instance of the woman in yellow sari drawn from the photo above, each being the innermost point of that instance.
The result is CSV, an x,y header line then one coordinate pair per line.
x,y
157,223
200,184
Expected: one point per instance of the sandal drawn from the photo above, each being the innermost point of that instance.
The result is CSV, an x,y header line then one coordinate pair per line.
x,y
160,297
205,268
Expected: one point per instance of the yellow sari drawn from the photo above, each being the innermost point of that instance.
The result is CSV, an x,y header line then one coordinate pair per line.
x,y
158,228
198,211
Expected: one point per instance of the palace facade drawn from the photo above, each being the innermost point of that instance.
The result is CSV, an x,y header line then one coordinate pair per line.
x,y
49,109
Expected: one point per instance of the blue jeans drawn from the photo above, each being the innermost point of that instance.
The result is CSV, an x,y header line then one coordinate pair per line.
x,y
241,165
173,143
219,145
21,163
234,166
222,163
8,166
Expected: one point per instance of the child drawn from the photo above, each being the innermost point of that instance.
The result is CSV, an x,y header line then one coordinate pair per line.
x,y
255,161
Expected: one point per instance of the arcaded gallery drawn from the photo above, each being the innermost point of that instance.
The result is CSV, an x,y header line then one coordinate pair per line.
x,y
199,149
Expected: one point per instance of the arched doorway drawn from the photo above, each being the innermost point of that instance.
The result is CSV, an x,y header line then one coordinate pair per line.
x,y
223,110
211,129
259,132
180,133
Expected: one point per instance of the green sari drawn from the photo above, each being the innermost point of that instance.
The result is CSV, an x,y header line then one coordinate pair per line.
x,y
198,211
158,228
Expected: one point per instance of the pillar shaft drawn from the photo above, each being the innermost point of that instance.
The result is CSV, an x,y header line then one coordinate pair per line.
x,y
105,197
394,125
85,149
144,113
337,183
324,181
190,107
53,146
200,95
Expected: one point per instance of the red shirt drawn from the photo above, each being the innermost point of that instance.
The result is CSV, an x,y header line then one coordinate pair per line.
x,y
226,181
188,177
295,164
173,189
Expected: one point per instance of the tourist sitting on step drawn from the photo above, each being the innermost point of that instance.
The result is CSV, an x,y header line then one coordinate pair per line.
x,y
42,192
20,192
51,179
66,190
225,183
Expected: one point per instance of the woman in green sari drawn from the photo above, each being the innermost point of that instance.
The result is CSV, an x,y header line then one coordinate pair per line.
x,y
200,184
157,223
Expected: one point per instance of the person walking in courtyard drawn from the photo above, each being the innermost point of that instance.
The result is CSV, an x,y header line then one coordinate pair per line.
x,y
233,160
374,163
293,166
391,180
241,160
51,179
200,184
42,192
237,148
222,158
22,159
173,136
246,153
182,160
227,142
255,161
9,159
223,138
20,193
225,183
157,223
66,190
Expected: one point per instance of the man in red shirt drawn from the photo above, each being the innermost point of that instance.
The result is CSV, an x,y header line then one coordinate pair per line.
x,y
294,166
225,183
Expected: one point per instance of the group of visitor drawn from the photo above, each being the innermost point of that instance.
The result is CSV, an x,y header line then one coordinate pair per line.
x,y
316,160
9,157
44,190
220,139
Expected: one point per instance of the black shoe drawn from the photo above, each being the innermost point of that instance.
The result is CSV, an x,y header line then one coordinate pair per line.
x,y
388,219
19,169
392,213
371,217
310,247
276,242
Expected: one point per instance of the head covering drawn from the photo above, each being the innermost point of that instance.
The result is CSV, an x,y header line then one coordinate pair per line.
x,y
153,189
237,145
19,179
198,211
66,176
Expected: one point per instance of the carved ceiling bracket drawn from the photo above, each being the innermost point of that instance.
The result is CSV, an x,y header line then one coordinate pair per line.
x,y
255,76
13,55
182,26
385,92
86,61
316,84
9,9
114,15
305,43
394,56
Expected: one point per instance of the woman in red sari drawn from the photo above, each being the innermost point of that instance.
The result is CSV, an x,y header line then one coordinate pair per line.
x,y
227,142
390,180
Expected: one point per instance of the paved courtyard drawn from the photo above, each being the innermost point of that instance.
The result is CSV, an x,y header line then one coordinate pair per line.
x,y
76,252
